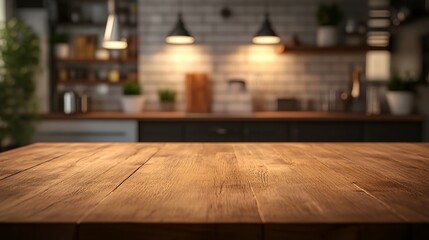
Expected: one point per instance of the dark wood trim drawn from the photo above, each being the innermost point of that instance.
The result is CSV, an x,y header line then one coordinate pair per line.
x,y
283,49
256,116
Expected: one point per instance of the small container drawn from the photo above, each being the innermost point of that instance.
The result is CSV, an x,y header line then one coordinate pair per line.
x,y
373,105
102,54
114,76
70,102
85,103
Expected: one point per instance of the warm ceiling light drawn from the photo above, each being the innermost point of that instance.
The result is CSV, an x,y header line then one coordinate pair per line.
x,y
179,34
266,40
180,40
266,34
112,36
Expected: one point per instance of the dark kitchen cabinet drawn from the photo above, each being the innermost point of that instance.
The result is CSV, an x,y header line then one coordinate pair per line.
x,y
214,132
326,132
265,132
279,131
161,132
393,132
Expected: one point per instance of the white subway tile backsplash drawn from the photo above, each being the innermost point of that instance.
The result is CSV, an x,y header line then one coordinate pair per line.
x,y
223,49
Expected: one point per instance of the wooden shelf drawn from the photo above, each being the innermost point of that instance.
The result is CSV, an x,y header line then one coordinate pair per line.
x,y
90,25
96,61
95,1
255,116
89,82
283,49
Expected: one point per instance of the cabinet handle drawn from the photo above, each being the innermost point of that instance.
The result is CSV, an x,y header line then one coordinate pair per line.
x,y
221,131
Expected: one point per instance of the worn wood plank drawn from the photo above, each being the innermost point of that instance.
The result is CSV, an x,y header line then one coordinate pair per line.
x,y
397,180
185,184
18,160
291,187
69,186
215,191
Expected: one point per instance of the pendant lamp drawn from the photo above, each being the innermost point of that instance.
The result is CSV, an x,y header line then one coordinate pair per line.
x,y
112,35
179,34
266,34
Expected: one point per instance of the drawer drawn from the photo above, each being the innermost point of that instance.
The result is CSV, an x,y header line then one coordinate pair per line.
x,y
265,132
326,132
214,132
393,132
86,131
160,132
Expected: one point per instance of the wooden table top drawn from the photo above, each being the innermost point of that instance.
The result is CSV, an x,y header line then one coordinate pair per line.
x,y
91,186
255,116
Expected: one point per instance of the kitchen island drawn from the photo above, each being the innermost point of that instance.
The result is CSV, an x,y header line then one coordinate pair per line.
x,y
215,191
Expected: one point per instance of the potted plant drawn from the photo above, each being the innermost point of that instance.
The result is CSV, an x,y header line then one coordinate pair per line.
x,y
20,54
328,16
61,45
132,101
167,98
400,96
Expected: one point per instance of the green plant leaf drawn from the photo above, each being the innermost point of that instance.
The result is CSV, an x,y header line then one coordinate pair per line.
x,y
167,95
329,15
131,88
18,108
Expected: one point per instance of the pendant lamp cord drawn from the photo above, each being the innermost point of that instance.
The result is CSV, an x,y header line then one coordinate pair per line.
x,y
180,6
266,7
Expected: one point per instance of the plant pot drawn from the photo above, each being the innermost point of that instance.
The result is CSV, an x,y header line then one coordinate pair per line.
x,y
400,102
132,103
168,107
62,51
327,36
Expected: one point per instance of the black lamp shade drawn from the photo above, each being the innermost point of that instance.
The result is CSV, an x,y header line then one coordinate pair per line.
x,y
266,34
179,34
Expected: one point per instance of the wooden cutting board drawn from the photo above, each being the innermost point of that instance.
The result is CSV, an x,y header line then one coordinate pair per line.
x,y
198,93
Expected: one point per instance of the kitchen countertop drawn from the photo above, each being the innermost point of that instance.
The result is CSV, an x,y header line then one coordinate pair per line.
x,y
256,116
188,191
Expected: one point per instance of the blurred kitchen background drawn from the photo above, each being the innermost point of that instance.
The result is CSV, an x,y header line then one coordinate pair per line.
x,y
366,57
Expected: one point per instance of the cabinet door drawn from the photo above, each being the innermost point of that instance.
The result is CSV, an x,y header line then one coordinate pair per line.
x,y
326,132
393,132
86,131
161,132
214,132
265,132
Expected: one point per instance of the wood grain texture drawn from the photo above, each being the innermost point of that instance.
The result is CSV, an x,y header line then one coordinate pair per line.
x,y
318,194
197,93
65,188
256,116
216,191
